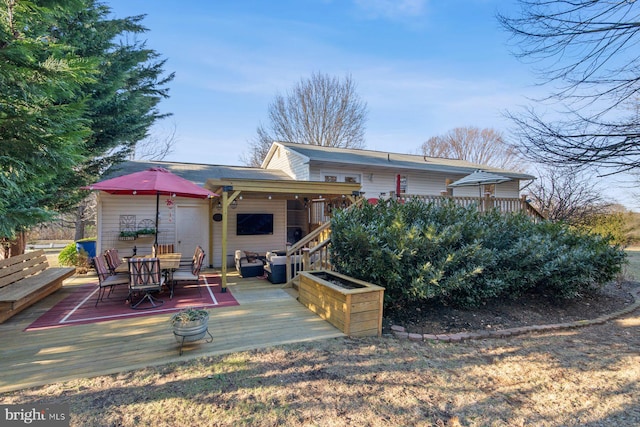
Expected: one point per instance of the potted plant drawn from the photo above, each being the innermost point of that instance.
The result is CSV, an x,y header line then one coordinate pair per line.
x,y
128,235
190,324
146,232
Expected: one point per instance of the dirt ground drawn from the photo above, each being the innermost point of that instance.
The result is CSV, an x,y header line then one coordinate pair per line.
x,y
504,314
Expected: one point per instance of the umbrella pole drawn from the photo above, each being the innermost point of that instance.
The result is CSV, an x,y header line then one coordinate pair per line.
x,y
155,244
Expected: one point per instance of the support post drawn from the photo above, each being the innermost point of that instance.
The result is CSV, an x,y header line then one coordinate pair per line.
x,y
225,221
211,254
226,202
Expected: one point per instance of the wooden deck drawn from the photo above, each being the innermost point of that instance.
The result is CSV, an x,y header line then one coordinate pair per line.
x,y
267,315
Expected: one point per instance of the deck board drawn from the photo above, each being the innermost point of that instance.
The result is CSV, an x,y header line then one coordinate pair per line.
x,y
267,315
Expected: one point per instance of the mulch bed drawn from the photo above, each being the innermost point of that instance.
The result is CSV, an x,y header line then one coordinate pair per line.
x,y
531,309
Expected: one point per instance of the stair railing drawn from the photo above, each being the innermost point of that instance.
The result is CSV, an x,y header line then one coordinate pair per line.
x,y
309,253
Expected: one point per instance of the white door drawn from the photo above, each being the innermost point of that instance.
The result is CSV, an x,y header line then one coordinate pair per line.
x,y
191,230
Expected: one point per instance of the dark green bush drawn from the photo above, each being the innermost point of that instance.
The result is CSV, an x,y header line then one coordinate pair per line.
x,y
422,252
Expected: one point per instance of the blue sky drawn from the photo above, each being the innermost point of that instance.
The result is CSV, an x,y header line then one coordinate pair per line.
x,y
423,67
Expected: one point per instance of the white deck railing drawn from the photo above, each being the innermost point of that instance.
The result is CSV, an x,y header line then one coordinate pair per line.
x,y
503,204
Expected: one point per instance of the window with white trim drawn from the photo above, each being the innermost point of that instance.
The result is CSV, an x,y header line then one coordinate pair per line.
x,y
351,178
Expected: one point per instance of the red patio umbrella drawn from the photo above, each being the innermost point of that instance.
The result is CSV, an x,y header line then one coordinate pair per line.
x,y
153,181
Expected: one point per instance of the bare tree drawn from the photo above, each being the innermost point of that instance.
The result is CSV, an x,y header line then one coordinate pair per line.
x,y
485,147
157,145
259,148
567,195
321,110
586,52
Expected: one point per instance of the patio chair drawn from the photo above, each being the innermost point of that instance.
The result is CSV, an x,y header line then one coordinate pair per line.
x,y
192,275
113,260
164,249
145,277
105,278
188,266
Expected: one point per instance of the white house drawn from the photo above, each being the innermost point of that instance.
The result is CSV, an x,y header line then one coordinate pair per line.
x,y
377,172
293,191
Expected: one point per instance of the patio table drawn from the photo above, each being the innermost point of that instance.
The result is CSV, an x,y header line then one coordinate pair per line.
x,y
169,261
168,264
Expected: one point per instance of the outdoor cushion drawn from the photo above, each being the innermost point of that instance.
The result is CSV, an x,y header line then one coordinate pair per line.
x,y
247,268
277,266
113,259
251,256
106,279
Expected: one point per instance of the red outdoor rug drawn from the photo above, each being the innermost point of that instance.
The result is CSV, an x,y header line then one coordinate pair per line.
x,y
79,307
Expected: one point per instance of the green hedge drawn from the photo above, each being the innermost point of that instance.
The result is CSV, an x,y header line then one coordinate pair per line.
x,y
422,252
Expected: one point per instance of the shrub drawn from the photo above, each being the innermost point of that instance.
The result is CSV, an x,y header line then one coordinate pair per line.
x,y
424,252
69,256
614,225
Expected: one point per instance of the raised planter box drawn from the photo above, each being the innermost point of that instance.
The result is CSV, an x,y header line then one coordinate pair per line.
x,y
351,305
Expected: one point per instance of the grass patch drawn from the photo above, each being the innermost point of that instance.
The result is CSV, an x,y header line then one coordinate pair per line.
x,y
588,376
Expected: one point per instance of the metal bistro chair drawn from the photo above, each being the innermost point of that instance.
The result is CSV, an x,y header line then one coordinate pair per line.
x,y
145,277
105,278
192,275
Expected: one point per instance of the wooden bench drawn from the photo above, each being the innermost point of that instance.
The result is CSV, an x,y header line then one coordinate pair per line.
x,y
26,279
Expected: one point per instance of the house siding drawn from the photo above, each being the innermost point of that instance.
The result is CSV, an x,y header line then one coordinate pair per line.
x,y
260,244
112,207
289,162
508,189
378,182
375,182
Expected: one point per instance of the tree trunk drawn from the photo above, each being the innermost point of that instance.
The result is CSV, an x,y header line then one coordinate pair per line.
x,y
80,222
14,247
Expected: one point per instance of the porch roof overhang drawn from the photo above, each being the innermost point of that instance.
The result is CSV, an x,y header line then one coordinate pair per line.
x,y
311,189
230,189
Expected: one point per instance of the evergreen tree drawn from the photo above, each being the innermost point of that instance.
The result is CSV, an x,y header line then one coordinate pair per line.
x,y
76,95
124,98
43,124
